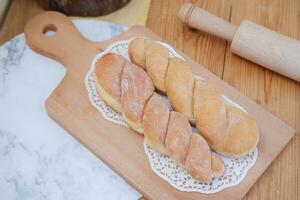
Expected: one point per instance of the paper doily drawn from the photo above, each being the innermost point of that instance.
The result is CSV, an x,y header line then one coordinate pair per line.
x,y
235,168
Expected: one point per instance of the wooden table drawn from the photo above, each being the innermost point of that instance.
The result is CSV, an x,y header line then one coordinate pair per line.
x,y
279,95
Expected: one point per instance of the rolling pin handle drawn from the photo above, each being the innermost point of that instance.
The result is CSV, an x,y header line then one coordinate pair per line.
x,y
254,42
58,46
202,20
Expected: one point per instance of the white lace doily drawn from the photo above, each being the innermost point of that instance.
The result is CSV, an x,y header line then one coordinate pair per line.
x,y
235,168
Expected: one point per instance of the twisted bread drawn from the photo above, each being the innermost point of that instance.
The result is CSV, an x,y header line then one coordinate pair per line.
x,y
128,89
226,128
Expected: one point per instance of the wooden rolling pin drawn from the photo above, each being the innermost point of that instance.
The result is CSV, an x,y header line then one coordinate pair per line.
x,y
254,42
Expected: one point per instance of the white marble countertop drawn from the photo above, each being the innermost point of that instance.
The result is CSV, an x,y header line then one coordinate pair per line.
x,y
38,158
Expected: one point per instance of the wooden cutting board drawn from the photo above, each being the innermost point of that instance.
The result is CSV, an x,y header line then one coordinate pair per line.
x,y
119,147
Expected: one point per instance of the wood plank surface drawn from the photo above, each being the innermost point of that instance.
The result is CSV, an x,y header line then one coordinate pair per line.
x,y
275,93
18,14
279,95
207,50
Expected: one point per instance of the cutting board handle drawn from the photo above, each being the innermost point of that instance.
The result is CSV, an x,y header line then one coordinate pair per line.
x,y
64,43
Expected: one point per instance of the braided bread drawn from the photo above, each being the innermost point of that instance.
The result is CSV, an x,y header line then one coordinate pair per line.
x,y
128,89
227,129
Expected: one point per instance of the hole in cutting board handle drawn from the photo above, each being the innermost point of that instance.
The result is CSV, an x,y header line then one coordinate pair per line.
x,y
50,30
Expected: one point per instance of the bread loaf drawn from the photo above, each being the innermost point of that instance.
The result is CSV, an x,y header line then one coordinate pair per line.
x,y
226,128
128,89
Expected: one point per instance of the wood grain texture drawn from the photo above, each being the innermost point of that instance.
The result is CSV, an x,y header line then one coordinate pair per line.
x,y
207,50
70,107
205,21
274,92
267,48
278,94
19,13
249,40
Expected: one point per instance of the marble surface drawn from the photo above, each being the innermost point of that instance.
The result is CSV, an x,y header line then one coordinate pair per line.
x,y
39,159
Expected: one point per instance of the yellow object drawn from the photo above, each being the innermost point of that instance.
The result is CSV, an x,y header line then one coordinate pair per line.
x,y
3,8
135,13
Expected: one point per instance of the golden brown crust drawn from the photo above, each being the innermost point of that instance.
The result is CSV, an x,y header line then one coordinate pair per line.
x,y
110,100
145,111
155,122
241,135
157,58
210,112
108,78
178,137
217,165
179,86
137,88
151,56
198,159
226,128
138,47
